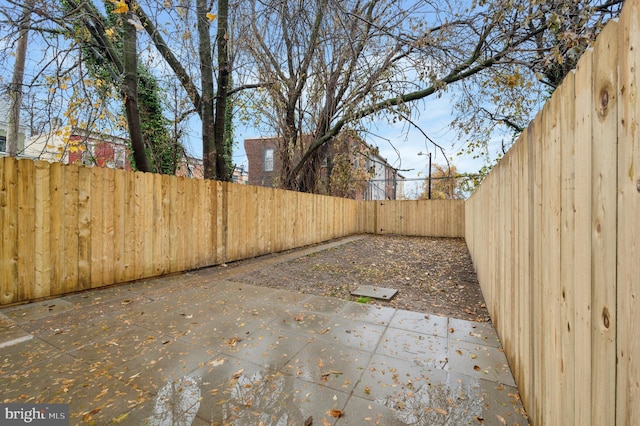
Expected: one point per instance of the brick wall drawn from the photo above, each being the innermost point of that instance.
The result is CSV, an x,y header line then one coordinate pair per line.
x,y
254,149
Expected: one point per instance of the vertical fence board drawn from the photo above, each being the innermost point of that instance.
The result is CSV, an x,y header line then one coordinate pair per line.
x,y
212,208
201,239
221,223
523,331
26,223
628,267
552,246
139,221
184,219
114,271
582,261
159,226
604,127
9,243
174,218
566,328
70,228
84,227
131,228
98,228
9,222
42,231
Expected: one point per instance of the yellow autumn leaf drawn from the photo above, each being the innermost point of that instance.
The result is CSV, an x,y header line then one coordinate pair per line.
x,y
121,7
110,31
211,16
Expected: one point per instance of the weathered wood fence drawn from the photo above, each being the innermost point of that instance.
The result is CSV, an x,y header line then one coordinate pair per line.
x,y
69,228
554,233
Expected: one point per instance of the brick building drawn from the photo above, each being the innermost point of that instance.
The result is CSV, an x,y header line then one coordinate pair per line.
x,y
264,162
377,180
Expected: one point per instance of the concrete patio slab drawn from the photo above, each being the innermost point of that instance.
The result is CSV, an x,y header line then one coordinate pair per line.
x,y
195,349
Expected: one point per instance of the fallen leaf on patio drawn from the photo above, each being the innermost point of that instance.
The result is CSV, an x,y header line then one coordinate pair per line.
x,y
238,373
88,417
126,301
234,341
320,363
475,367
458,351
367,390
309,421
473,356
213,392
515,396
216,362
478,419
441,411
336,413
299,317
120,418
451,330
502,420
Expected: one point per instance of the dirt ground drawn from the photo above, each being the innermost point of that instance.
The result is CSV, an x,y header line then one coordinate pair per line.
x,y
433,275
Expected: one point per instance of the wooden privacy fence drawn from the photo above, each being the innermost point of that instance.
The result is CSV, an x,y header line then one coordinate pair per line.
x,y
554,233
435,218
69,228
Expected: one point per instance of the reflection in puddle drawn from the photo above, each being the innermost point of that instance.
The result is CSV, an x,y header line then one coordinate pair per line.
x,y
258,398
246,398
177,403
449,403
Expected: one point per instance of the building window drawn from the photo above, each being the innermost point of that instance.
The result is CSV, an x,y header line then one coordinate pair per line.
x,y
268,159
3,143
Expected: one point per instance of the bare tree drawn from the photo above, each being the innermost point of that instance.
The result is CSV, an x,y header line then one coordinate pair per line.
x,y
333,63
15,89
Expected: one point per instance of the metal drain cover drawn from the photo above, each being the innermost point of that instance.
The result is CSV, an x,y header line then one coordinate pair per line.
x,y
374,292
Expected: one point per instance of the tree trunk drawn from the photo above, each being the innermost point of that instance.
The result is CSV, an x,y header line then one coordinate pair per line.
x,y
15,90
209,151
221,96
130,96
